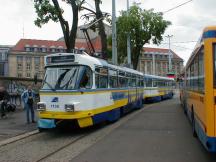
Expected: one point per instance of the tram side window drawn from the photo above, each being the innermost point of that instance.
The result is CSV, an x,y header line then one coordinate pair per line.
x,y
128,80
155,84
148,82
122,79
113,78
133,80
86,78
101,77
141,83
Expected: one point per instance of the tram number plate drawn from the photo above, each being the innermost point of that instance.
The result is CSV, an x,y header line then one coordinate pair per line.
x,y
54,106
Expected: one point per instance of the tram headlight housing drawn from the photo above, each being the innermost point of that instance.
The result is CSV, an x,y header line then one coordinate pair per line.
x,y
69,107
41,106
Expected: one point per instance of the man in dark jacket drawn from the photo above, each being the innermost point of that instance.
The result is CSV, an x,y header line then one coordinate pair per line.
x,y
4,98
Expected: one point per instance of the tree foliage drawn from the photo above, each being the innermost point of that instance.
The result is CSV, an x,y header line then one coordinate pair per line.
x,y
47,11
143,26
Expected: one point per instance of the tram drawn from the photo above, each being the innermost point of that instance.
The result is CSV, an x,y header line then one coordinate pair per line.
x,y
86,89
157,88
198,93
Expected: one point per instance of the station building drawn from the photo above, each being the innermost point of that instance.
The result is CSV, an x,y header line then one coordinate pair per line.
x,y
155,61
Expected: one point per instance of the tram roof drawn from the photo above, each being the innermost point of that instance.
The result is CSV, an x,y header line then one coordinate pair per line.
x,y
85,59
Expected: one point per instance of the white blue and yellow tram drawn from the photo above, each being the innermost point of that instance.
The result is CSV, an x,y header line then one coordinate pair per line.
x,y
157,88
87,90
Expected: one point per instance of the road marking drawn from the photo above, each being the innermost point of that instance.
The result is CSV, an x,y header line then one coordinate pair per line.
x,y
16,138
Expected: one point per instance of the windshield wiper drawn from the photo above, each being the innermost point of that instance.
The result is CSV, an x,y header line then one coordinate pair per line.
x,y
49,85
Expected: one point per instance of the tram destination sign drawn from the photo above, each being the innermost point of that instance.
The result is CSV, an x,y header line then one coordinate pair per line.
x,y
60,59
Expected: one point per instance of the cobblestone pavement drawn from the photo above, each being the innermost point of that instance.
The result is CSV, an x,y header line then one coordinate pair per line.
x,y
15,124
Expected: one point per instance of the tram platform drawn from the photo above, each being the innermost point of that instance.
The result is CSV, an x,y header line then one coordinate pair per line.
x,y
15,124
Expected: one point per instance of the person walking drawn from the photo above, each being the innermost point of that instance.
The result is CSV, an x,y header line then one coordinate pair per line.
x,y
28,98
4,98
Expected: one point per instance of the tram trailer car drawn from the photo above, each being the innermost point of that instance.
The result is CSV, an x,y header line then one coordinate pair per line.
x,y
157,88
87,90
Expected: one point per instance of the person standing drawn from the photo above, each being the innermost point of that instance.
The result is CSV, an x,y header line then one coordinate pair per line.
x,y
28,97
4,98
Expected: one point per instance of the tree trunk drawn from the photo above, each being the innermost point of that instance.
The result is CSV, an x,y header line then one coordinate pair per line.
x,y
63,23
135,57
101,29
73,32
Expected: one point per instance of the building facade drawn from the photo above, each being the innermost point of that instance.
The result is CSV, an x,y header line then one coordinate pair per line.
x,y
155,61
4,50
26,58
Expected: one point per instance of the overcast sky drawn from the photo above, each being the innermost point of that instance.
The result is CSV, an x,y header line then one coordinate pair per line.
x,y
188,21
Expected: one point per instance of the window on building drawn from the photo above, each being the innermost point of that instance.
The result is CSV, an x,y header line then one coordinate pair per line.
x,y
19,75
19,66
28,58
37,62
19,58
27,49
28,66
28,75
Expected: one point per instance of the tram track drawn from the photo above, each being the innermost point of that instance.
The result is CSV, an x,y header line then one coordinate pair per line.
x,y
19,137
53,145
61,148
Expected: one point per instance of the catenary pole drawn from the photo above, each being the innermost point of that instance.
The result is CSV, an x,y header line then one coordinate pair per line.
x,y
114,44
169,53
128,41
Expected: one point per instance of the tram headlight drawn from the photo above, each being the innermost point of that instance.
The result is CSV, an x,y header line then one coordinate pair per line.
x,y
41,106
69,107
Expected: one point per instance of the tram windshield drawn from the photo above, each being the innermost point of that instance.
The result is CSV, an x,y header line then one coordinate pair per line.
x,y
67,78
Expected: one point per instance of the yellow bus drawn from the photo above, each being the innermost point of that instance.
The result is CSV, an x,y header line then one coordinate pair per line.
x,y
198,95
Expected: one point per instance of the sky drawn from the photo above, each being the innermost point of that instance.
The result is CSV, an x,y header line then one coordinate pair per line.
x,y
17,21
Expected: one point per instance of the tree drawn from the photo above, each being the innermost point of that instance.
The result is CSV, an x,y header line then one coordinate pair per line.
x,y
98,15
47,11
143,26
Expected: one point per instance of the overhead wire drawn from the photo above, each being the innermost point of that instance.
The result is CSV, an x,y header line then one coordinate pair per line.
x,y
177,6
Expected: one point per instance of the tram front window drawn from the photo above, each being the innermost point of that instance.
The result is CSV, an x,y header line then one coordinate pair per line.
x,y
67,78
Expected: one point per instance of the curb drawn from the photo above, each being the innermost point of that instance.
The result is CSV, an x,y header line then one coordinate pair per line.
x,y
19,137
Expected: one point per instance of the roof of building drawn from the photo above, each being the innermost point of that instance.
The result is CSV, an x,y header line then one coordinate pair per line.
x,y
22,43
160,51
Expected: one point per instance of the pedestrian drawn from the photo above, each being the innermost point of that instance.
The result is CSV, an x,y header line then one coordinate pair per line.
x,y
4,98
28,98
